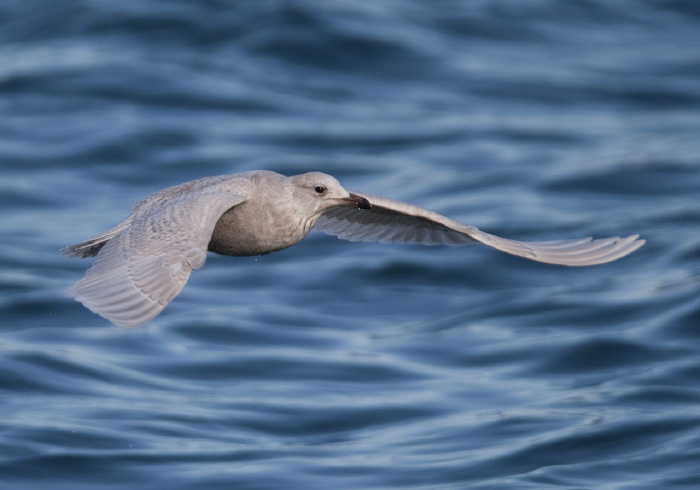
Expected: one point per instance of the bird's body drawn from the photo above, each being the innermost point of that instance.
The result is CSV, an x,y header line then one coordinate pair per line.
x,y
263,223
144,262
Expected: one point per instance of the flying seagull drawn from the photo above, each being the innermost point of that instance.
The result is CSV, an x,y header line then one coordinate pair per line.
x,y
144,262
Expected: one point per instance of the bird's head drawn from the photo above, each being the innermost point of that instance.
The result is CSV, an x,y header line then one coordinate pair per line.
x,y
320,191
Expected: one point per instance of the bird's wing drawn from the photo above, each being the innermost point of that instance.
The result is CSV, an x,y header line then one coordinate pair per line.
x,y
392,221
140,270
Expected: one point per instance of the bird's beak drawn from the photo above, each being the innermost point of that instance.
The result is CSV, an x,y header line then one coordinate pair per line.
x,y
356,201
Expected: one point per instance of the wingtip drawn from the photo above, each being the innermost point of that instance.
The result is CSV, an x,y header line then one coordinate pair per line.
x,y
92,297
636,243
115,318
619,248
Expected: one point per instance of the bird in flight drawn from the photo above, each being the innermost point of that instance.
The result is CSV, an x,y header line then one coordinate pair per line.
x,y
144,262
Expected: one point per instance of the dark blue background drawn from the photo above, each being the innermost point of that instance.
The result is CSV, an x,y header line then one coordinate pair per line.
x,y
344,365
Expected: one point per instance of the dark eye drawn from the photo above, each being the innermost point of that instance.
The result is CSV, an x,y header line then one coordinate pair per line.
x,y
320,189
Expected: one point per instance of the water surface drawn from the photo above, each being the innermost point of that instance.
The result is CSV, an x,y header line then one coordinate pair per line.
x,y
351,365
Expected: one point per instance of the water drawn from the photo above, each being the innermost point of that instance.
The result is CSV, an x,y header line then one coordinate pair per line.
x,y
344,365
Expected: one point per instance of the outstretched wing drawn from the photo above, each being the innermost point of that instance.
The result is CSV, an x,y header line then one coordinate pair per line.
x,y
139,270
392,221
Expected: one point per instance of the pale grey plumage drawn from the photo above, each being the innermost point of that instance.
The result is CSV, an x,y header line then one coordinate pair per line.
x,y
392,221
144,262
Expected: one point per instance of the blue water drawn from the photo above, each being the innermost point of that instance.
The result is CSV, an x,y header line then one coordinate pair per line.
x,y
337,365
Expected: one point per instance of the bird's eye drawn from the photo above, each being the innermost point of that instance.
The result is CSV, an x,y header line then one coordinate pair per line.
x,y
320,189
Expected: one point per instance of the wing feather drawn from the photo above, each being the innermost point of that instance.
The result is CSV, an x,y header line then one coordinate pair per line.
x,y
143,266
391,221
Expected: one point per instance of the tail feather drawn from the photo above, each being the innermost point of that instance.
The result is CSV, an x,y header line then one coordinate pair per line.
x,y
91,247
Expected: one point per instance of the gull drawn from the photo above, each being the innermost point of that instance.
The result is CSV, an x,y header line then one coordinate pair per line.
x,y
143,263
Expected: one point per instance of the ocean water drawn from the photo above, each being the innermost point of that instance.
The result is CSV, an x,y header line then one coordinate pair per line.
x,y
337,365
